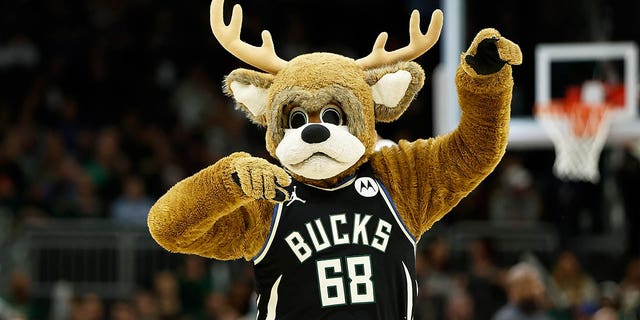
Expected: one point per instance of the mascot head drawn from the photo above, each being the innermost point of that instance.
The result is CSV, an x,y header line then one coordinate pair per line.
x,y
320,109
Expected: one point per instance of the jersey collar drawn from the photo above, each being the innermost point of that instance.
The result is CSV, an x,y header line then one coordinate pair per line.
x,y
344,183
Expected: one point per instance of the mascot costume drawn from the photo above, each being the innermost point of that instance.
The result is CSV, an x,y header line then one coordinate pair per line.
x,y
332,230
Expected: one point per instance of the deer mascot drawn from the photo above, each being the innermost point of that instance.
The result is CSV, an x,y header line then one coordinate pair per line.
x,y
332,230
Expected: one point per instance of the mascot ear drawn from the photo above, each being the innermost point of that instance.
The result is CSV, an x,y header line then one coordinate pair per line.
x,y
249,89
393,88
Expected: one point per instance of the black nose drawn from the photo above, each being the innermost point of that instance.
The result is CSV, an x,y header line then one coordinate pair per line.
x,y
315,133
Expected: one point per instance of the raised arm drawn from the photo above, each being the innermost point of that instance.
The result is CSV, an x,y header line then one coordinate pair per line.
x,y
431,176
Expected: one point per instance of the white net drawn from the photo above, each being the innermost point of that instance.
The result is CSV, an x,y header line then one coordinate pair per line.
x,y
577,151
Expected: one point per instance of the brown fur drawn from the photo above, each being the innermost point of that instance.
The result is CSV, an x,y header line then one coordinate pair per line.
x,y
210,215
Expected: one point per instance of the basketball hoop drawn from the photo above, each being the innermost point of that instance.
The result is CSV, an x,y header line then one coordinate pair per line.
x,y
578,131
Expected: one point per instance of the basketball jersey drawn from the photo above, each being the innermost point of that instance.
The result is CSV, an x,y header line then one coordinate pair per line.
x,y
340,253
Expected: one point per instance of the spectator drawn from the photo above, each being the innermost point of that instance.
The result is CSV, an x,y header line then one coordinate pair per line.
x,y
571,289
526,295
194,100
609,294
12,178
515,200
78,196
7,312
194,284
241,298
630,288
435,280
12,183
90,306
166,290
485,278
123,310
460,306
19,303
107,162
132,206
94,307
605,313
68,143
62,301
146,305
217,306
20,52
226,131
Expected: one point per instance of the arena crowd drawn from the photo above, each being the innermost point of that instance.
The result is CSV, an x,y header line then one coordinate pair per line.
x,y
105,104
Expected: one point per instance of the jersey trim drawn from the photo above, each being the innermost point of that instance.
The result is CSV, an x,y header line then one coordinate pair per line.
x,y
258,309
409,292
272,305
275,220
396,215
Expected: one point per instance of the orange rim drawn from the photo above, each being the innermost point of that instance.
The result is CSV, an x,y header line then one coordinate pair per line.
x,y
586,119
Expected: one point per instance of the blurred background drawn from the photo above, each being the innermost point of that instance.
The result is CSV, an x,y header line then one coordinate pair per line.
x,y
105,104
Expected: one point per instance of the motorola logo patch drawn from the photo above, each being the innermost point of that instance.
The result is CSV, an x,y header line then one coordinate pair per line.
x,y
366,187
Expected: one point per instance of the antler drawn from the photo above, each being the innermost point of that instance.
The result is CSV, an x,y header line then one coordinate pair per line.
x,y
418,44
263,57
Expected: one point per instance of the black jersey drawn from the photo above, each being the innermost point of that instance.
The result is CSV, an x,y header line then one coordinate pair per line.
x,y
340,253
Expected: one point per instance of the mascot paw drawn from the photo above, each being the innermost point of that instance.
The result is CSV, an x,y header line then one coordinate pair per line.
x,y
261,179
489,52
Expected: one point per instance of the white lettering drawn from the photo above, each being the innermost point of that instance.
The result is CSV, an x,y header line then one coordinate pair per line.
x,y
325,240
317,238
344,238
381,238
298,246
360,230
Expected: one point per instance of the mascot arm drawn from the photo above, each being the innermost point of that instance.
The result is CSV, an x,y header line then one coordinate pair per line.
x,y
208,214
427,178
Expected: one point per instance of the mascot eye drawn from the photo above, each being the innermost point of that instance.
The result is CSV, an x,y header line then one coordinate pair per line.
x,y
331,114
297,118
